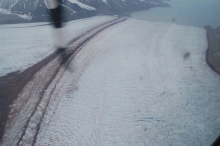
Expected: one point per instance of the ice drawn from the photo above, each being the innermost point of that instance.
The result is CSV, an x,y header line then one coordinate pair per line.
x,y
137,88
23,45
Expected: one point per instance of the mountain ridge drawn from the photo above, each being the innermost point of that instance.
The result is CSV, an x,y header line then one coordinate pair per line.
x,y
36,10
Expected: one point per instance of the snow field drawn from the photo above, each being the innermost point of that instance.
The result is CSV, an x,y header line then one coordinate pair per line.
x,y
25,46
139,89
29,108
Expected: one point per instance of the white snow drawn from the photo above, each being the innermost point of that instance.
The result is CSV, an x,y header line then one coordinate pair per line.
x,y
137,89
105,1
23,45
82,5
68,8
24,16
153,3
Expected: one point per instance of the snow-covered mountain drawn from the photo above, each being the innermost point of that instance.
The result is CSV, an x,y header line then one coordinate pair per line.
x,y
36,9
124,5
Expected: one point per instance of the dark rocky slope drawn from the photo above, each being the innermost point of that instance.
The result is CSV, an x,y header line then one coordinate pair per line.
x,y
213,52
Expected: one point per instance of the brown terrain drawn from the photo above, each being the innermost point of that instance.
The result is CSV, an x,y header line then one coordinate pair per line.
x,y
12,84
213,56
213,52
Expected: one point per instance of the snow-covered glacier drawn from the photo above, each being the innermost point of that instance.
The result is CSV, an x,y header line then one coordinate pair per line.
x,y
23,45
143,83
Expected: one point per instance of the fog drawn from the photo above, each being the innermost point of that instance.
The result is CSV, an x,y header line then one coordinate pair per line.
x,y
185,12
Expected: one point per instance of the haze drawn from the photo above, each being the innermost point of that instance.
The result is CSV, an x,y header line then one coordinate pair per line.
x,y
188,12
